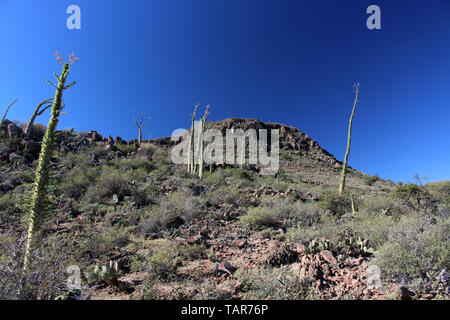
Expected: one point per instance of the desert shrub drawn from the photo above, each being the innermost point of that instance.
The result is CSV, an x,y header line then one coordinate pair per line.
x,y
173,210
117,236
110,182
97,151
10,180
223,195
417,245
214,178
282,213
134,164
75,184
145,195
370,180
46,279
192,252
162,262
77,160
245,174
381,205
304,214
12,207
329,227
374,228
337,204
182,205
161,162
286,155
275,284
274,183
441,191
127,149
260,218
98,244
415,197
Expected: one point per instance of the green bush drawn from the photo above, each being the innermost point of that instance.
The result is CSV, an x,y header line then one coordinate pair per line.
x,y
162,262
173,210
329,227
110,182
224,195
370,180
275,284
134,164
374,228
337,204
145,195
382,204
417,245
415,197
75,184
12,207
282,213
260,218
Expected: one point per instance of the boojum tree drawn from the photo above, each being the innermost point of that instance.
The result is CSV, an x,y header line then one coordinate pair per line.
x,y
349,138
201,144
259,151
6,112
196,143
40,109
38,197
191,159
140,124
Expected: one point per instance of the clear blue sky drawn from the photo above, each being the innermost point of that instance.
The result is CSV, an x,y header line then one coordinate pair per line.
x,y
292,62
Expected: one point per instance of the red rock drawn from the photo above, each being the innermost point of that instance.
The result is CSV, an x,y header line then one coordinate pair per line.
x,y
227,267
328,256
241,243
211,267
301,248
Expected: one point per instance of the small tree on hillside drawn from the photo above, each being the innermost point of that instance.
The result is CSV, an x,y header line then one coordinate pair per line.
x,y
140,124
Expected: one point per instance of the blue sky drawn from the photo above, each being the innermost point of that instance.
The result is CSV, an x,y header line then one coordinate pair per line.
x,y
292,62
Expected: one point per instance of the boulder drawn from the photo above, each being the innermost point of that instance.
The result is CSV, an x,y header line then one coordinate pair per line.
x,y
14,131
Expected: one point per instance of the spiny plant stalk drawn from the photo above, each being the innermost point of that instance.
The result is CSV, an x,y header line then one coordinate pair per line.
x,y
140,124
37,112
201,145
37,207
353,205
191,164
344,167
6,112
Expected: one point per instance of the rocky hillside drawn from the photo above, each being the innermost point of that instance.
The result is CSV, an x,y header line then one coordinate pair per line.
x,y
161,233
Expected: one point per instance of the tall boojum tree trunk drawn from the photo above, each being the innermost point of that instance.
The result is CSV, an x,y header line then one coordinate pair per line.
x,y
344,167
191,159
37,207
201,143
6,112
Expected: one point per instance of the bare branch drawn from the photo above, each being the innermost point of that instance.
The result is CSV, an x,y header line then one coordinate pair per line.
x,y
6,112
69,85
51,83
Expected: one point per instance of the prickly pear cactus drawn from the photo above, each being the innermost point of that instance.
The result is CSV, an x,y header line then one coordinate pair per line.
x,y
318,245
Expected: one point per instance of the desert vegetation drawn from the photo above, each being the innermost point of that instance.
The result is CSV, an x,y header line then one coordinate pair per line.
x,y
140,227
137,226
